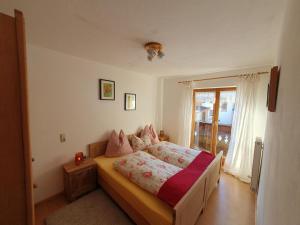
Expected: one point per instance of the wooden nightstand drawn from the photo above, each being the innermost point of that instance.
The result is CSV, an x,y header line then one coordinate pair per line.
x,y
80,179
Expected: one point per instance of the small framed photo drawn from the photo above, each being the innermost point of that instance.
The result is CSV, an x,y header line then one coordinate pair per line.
x,y
106,89
130,101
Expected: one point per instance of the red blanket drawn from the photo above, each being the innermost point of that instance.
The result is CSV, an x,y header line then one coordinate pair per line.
x,y
176,187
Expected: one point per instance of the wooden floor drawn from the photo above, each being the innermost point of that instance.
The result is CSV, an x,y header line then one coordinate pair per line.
x,y
232,203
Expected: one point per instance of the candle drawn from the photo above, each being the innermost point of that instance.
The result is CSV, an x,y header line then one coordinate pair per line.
x,y
78,158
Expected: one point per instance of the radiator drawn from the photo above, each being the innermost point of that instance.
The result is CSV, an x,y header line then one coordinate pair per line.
x,y
257,159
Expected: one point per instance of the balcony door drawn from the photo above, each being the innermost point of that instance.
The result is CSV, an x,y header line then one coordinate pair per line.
x,y
212,119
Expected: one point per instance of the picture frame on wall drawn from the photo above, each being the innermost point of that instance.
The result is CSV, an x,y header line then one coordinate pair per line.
x,y
129,101
273,89
106,89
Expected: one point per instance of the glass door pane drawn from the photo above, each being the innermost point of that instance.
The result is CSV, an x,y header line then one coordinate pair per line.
x,y
226,109
203,119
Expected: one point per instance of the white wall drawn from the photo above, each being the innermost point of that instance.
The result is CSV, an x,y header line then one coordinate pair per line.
x,y
63,98
279,193
173,91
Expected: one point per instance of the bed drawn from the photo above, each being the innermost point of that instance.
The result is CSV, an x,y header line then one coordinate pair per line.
x,y
143,207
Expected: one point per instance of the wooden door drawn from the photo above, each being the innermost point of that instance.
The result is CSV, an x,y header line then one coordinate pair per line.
x,y
207,129
16,205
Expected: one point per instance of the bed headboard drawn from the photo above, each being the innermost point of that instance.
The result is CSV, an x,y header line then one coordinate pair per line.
x,y
97,148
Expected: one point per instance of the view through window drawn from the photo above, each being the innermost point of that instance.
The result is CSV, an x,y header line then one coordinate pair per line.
x,y
212,119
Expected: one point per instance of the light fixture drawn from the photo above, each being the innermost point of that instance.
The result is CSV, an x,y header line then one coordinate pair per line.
x,y
154,49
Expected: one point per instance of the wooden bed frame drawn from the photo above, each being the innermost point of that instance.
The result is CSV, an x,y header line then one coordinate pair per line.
x,y
187,210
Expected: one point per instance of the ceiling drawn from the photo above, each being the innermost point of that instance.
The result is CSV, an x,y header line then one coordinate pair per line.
x,y
199,36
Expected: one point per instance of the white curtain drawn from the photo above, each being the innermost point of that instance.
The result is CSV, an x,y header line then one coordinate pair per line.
x,y
185,115
241,147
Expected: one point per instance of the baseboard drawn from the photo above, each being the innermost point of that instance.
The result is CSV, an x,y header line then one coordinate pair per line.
x,y
49,198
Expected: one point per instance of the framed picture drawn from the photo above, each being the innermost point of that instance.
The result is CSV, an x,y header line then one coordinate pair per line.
x,y
273,89
106,89
130,101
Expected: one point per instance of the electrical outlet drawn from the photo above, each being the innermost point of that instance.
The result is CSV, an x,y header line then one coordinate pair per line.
x,y
62,138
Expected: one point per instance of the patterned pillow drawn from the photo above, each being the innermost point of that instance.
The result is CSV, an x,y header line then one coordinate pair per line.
x,y
140,143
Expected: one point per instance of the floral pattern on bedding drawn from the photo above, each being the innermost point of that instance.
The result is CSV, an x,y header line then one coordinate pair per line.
x,y
140,143
171,153
145,170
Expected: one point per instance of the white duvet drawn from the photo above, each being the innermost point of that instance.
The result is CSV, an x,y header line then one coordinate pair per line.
x,y
145,170
171,153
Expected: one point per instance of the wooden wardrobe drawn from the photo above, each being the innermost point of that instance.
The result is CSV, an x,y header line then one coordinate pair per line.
x,y
16,204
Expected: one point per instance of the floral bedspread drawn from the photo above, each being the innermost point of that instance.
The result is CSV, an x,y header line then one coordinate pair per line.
x,y
174,154
145,170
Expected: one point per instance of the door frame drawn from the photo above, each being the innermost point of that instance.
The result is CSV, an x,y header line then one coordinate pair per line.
x,y
215,122
21,44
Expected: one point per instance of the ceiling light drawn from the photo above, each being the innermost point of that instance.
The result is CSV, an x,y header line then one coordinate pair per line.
x,y
154,49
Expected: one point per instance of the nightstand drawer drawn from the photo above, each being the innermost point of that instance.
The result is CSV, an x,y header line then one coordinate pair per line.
x,y
80,182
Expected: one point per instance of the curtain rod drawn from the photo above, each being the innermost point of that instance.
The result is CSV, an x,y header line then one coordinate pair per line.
x,y
215,78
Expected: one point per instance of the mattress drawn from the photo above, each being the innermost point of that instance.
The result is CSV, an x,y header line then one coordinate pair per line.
x,y
154,210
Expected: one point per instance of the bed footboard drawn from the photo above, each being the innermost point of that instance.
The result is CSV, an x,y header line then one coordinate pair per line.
x,y
214,173
189,208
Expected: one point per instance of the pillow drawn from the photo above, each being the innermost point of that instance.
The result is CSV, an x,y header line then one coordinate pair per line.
x,y
140,143
146,131
154,135
118,145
